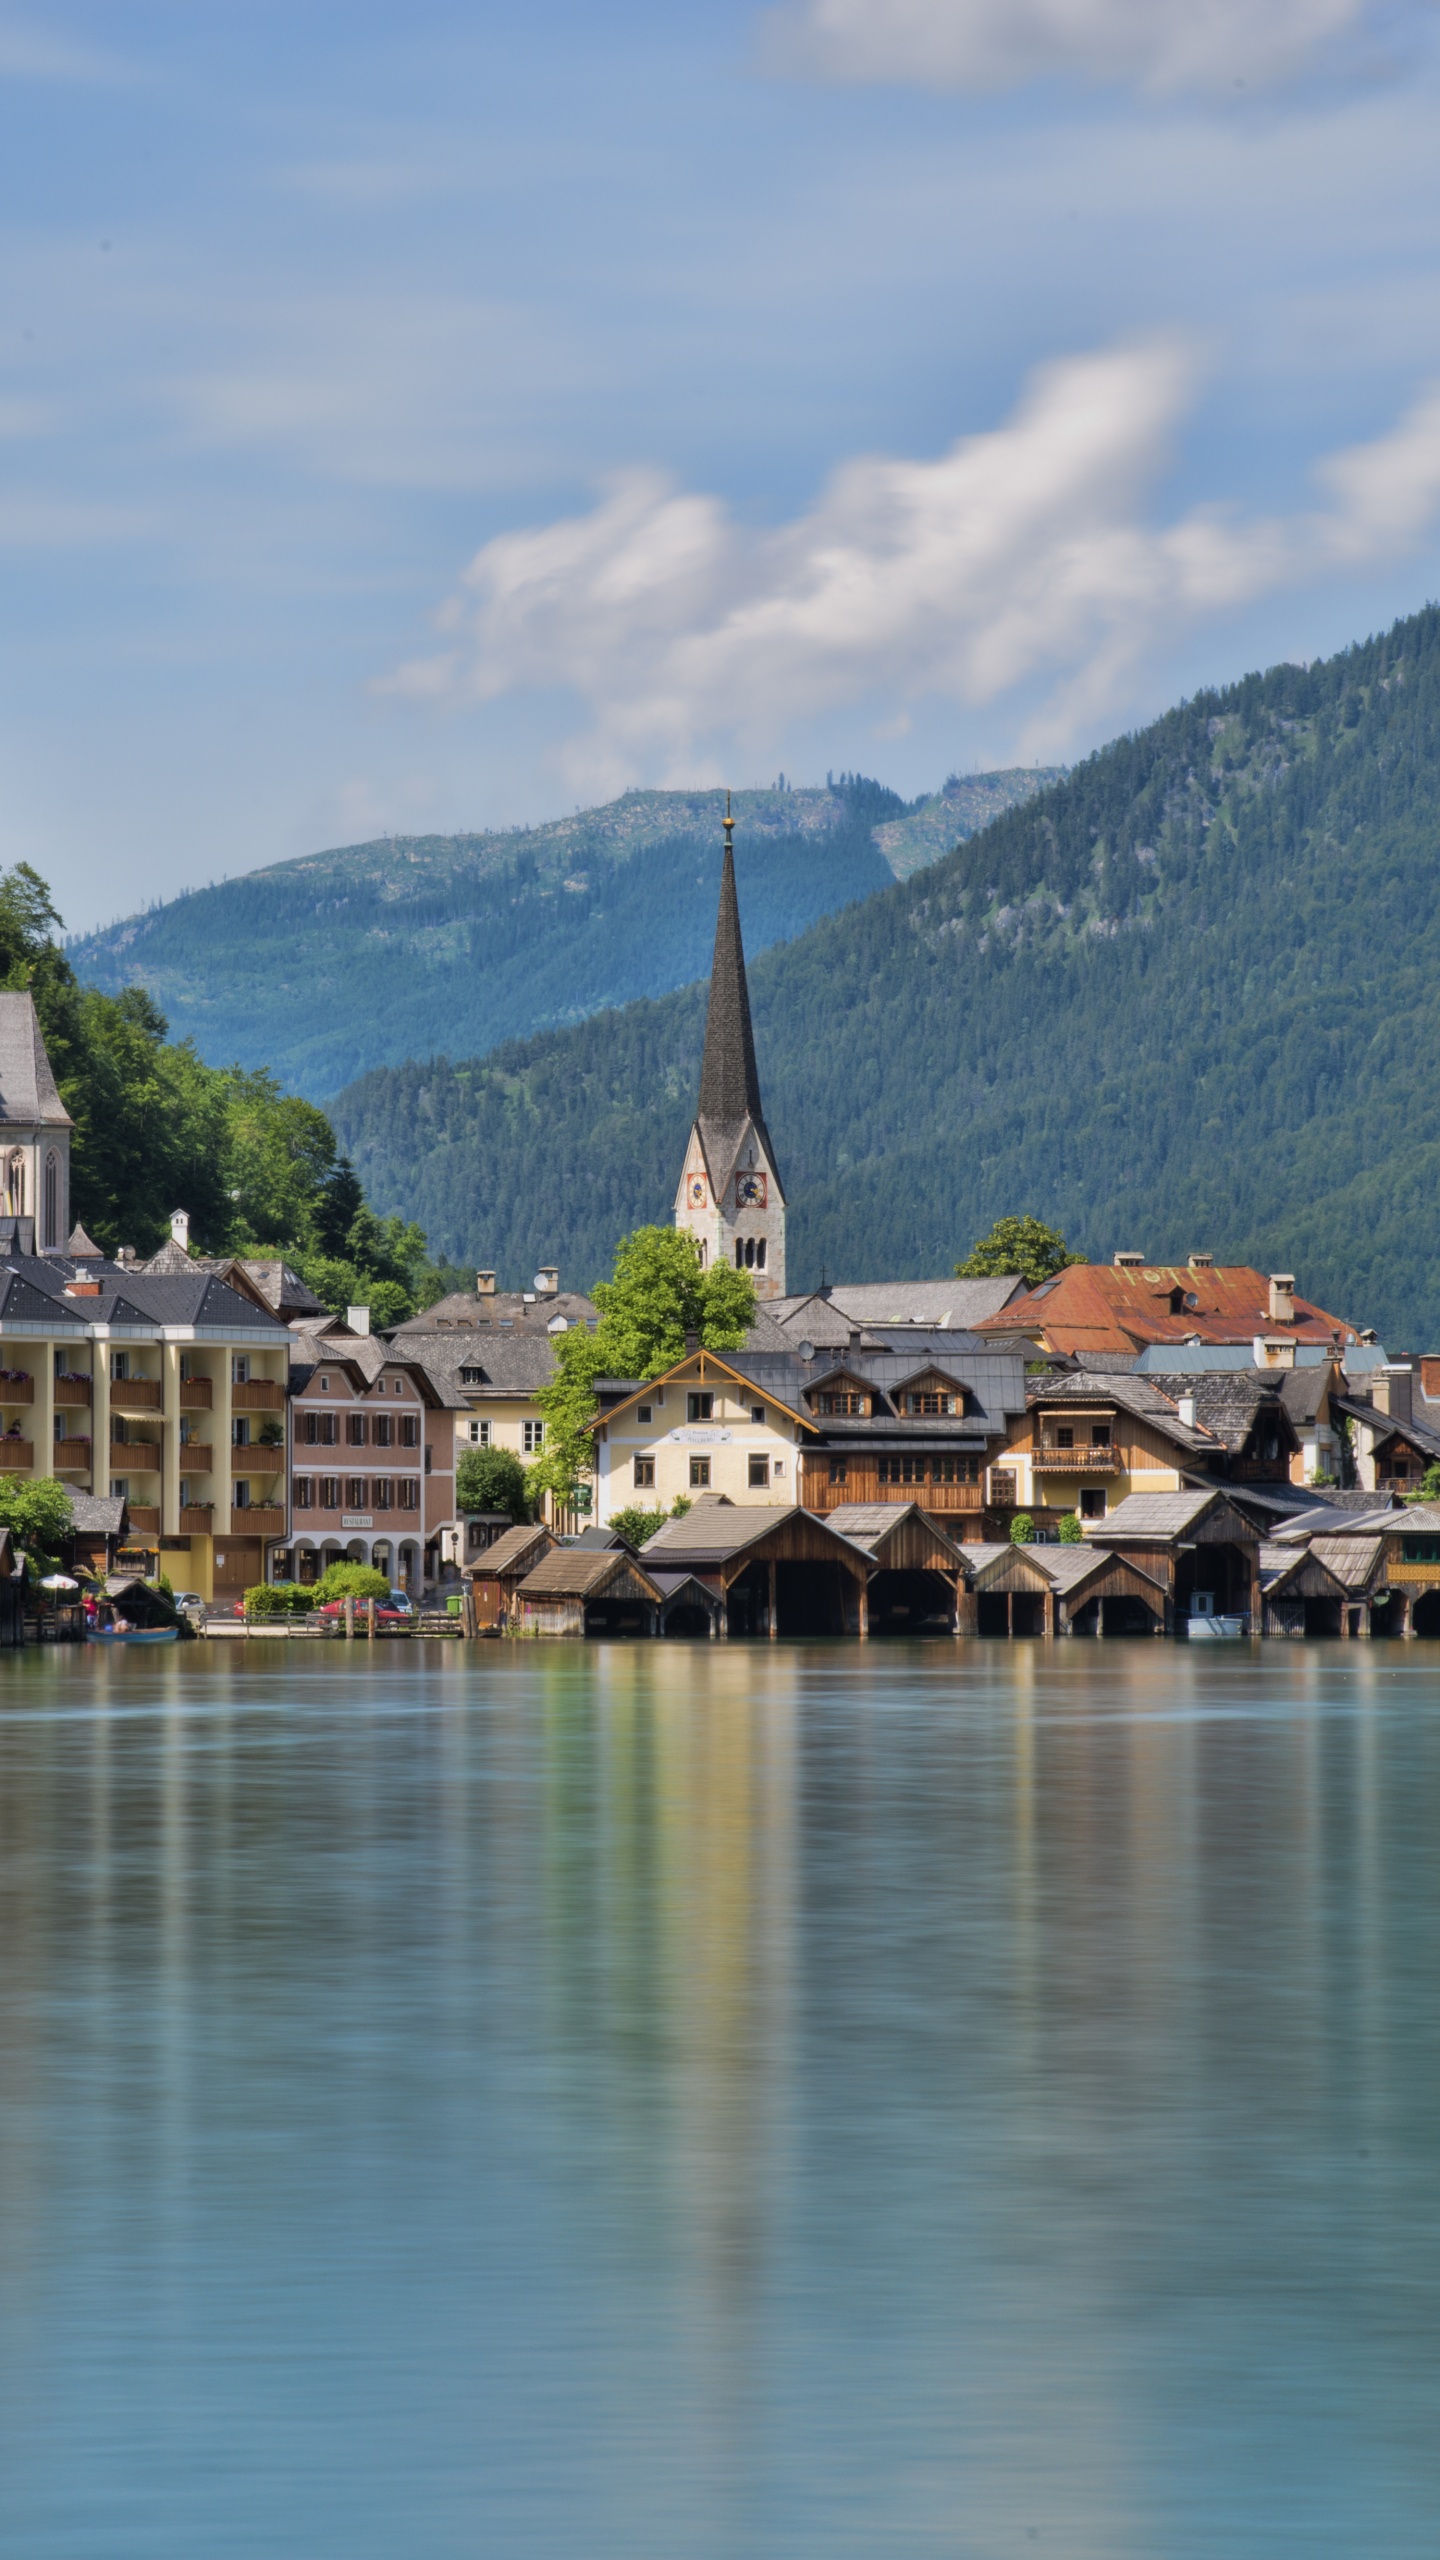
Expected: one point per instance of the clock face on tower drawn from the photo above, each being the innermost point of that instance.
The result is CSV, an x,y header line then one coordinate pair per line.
x,y
697,1191
749,1190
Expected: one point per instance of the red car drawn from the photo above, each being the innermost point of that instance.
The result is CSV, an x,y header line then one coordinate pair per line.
x,y
390,1618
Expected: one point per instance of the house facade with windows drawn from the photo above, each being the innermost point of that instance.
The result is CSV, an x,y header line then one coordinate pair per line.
x,y
373,1478
1091,1439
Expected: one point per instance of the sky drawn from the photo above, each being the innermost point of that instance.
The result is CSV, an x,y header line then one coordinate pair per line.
x,y
443,417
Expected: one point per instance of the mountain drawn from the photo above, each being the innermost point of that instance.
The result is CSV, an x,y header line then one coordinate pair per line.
x,y
1187,997
323,968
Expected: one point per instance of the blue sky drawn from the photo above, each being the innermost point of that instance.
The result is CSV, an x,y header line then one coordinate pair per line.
x,y
440,417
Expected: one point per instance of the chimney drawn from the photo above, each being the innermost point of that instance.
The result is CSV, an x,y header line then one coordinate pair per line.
x,y
1202,1261
1282,1297
484,1284
124,1253
1187,1411
547,1281
1274,1351
357,1319
1129,1261
1430,1378
1394,1390
180,1228
692,1343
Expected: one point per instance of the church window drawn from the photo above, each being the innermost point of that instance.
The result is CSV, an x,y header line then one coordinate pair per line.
x,y
739,1253
699,1475
760,1254
52,1201
644,1474
749,1253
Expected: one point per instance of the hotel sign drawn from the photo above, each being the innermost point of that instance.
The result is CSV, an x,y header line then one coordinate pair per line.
x,y
356,1520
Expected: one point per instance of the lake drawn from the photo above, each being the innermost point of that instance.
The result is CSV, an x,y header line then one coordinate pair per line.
x,y
658,2102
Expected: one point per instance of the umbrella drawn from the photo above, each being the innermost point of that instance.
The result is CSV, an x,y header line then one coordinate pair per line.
x,y
59,1582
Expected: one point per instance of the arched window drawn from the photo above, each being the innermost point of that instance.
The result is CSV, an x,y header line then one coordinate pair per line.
x,y
739,1253
52,1202
760,1255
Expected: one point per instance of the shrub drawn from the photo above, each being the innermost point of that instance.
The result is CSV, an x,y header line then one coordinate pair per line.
x,y
1022,1528
1071,1533
344,1581
278,1600
637,1525
492,1480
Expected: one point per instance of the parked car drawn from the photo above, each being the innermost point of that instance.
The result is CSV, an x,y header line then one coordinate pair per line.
x,y
190,1604
402,1601
388,1618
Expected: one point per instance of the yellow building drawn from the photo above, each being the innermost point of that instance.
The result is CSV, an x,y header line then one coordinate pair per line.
x,y
702,1428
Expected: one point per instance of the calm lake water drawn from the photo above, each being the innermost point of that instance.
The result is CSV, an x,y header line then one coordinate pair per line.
x,y
762,2101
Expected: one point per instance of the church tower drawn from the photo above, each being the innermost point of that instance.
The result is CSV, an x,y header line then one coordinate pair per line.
x,y
730,1196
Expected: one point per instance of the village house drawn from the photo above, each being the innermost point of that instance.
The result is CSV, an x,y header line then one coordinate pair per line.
x,y
374,1465
1392,1416
1089,1440
544,1309
919,1423
1119,1307
1375,1573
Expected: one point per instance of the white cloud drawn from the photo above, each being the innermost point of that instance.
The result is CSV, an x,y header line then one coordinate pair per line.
x,y
1163,47
1022,558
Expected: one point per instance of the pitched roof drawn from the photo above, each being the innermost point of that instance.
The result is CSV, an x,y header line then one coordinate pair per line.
x,y
1158,1515
1104,1306
464,1311
572,1573
829,1315
511,1363
1422,1437
715,1529
27,1087
510,1551
868,1524
98,1515
1142,1397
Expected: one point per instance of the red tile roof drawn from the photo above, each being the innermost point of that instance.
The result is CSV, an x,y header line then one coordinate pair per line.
x,y
1095,1306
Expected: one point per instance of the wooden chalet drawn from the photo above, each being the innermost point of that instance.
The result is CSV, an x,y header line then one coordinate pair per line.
x,y
495,1577
1200,1548
777,1570
588,1591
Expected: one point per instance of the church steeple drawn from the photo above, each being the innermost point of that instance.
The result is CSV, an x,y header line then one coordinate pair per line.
x,y
730,1194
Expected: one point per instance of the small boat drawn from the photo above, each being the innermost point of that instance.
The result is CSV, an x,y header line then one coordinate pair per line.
x,y
132,1635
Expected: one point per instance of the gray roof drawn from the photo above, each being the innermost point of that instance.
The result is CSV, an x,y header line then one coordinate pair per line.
x,y
33,1290
277,1284
510,1551
866,1524
829,1315
1422,1437
371,1354
1229,1402
509,1363
572,1573
1158,1515
714,1529
98,1515
994,1378
27,1088
464,1311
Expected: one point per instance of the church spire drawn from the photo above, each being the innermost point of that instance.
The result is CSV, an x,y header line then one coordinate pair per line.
x,y
729,1078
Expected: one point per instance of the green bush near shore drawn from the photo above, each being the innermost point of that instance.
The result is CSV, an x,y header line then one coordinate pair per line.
x,y
278,1600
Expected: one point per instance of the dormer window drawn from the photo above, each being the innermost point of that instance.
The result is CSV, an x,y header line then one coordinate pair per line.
x,y
928,1401
843,1400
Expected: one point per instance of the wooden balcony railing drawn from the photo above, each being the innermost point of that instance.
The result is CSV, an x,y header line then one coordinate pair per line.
x,y
1050,1460
17,1457
258,1395
197,1395
17,1390
137,1395
72,1391
261,1520
197,1515
141,1455
197,1458
71,1455
254,1458
143,1515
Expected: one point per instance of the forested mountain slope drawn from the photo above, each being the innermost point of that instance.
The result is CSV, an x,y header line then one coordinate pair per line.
x,y
322,968
1187,997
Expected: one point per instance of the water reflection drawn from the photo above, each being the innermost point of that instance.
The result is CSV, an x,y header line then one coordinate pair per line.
x,y
719,2100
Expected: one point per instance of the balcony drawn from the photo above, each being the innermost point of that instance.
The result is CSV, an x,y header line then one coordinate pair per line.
x,y
197,1395
143,1515
260,1520
18,1390
197,1458
72,1456
258,1395
198,1515
72,1391
137,1395
134,1457
254,1458
17,1457
1050,1460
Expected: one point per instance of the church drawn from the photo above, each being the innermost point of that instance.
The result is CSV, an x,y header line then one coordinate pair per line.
x,y
731,1198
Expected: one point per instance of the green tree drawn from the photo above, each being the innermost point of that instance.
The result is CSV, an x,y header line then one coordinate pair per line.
x,y
1430,1484
1071,1533
1022,1529
350,1581
37,1512
635,1525
660,1293
492,1480
1023,1245
337,1207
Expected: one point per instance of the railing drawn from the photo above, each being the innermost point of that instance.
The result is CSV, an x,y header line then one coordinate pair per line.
x,y
19,1390
257,1520
71,1391
197,1515
863,1487
257,1458
143,1515
142,1454
137,1395
17,1457
1050,1460
258,1395
197,1458
197,1395
72,1453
